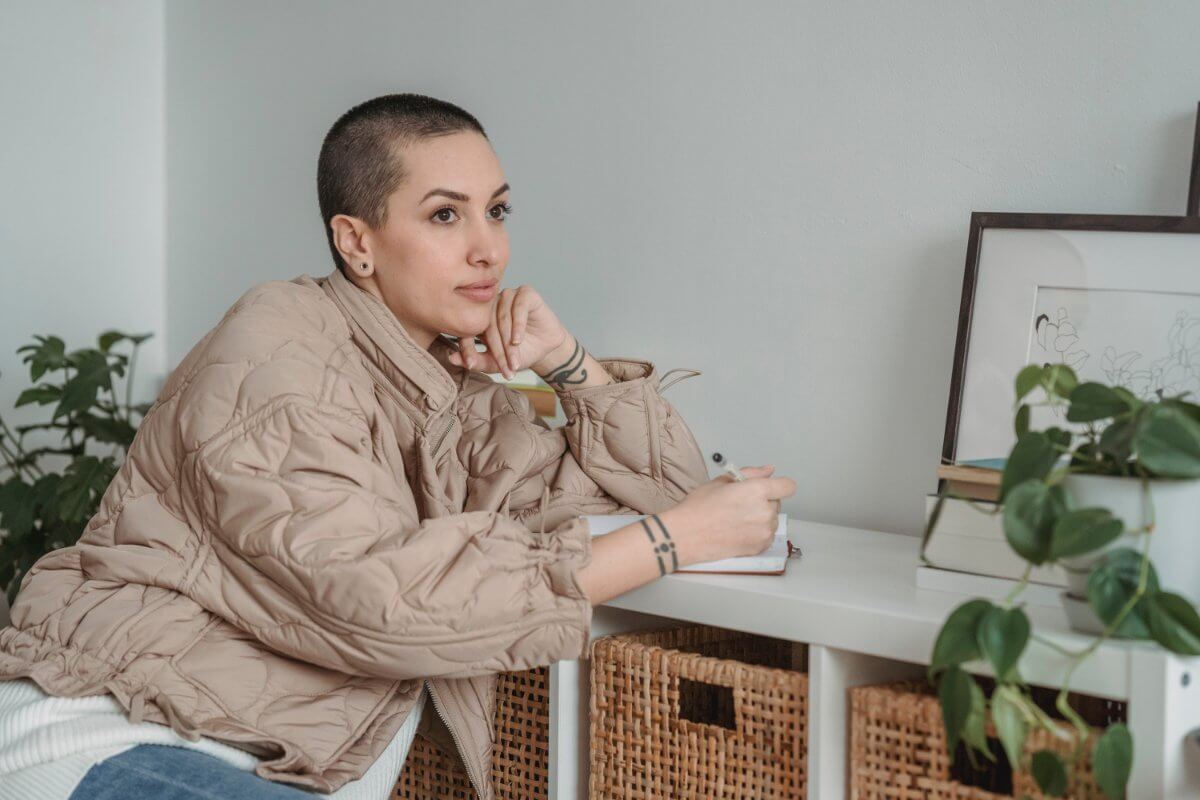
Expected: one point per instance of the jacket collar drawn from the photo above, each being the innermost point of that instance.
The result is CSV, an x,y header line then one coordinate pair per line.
x,y
421,376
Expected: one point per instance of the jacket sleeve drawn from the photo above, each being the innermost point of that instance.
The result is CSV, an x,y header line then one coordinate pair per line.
x,y
627,450
323,558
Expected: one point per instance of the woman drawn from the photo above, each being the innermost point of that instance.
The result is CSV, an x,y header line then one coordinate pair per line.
x,y
331,511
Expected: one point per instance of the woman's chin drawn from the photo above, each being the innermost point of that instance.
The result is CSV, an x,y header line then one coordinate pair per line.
x,y
460,330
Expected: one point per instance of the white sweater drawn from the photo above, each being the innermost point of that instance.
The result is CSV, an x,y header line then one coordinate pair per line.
x,y
48,743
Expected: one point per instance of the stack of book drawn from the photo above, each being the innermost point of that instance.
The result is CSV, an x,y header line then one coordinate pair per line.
x,y
966,550
975,480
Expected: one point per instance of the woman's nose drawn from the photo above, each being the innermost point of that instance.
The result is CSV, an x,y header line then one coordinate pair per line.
x,y
488,248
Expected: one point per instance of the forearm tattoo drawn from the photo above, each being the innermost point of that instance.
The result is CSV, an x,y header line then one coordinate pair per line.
x,y
661,549
565,374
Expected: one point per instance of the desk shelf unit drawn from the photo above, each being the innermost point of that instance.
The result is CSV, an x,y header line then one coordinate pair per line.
x,y
853,598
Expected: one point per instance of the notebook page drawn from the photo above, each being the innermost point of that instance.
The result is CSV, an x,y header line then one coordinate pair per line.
x,y
772,559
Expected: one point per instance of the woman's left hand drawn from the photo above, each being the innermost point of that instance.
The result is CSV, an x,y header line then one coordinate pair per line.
x,y
522,331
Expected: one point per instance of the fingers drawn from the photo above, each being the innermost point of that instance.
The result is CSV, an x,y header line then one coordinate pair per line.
x,y
777,488
491,337
482,362
504,355
466,352
748,472
521,307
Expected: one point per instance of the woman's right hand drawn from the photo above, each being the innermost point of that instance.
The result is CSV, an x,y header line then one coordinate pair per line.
x,y
725,518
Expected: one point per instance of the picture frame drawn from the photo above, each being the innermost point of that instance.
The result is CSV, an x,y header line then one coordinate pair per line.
x,y
1108,292
1193,202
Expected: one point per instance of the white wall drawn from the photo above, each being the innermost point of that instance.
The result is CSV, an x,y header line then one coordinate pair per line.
x,y
776,193
81,183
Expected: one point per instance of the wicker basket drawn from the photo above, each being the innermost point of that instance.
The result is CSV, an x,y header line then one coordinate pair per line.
x,y
520,757
698,712
898,748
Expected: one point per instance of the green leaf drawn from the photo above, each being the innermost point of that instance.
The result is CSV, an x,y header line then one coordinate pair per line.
x,y
1003,634
954,692
1030,514
1168,442
107,339
91,375
1032,457
1173,622
1021,423
107,429
43,394
22,566
82,484
46,355
1112,583
1129,398
1028,379
16,507
1011,726
1117,438
1112,760
45,498
975,730
1082,531
1190,409
1050,773
1059,439
958,640
1059,380
1092,401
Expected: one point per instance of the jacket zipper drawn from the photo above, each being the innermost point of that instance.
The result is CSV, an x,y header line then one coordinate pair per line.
x,y
477,784
449,424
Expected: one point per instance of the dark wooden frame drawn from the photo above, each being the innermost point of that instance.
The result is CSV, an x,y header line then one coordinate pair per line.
x,y
1193,203
981,220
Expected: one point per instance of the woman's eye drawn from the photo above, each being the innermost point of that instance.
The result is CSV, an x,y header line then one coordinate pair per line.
x,y
505,207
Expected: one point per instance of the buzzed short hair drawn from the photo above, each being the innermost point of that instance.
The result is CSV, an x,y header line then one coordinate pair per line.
x,y
360,164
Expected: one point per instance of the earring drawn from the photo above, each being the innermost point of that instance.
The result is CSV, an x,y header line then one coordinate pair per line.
x,y
363,267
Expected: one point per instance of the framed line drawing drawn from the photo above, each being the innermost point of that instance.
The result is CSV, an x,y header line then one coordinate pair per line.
x,y
1116,297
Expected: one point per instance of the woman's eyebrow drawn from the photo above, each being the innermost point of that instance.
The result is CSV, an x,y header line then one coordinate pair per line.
x,y
459,195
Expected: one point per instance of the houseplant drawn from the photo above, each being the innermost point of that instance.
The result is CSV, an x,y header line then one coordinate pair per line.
x,y
1053,496
48,492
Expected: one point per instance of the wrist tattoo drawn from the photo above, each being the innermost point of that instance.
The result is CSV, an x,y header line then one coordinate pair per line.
x,y
663,548
565,374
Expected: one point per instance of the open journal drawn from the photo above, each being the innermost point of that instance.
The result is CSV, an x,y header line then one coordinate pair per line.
x,y
771,561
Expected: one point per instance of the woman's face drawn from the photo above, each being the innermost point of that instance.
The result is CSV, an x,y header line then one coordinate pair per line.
x,y
444,232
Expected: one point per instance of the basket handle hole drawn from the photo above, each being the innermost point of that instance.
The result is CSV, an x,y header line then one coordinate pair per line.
x,y
994,776
706,703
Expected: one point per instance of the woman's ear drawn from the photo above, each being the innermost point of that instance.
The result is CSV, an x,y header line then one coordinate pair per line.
x,y
348,236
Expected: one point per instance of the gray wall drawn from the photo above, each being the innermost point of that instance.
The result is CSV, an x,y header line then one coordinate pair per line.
x,y
775,193
82,189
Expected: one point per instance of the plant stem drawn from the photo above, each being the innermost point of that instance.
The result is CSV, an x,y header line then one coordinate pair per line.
x,y
1143,578
1055,646
16,458
129,385
1020,587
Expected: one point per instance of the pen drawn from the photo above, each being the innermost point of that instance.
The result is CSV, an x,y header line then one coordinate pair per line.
x,y
728,466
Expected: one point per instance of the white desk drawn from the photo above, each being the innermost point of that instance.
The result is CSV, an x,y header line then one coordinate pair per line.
x,y
852,597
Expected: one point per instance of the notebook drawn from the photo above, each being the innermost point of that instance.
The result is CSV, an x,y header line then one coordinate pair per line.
x,y
771,561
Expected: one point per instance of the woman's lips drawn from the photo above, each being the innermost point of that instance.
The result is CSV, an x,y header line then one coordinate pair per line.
x,y
480,294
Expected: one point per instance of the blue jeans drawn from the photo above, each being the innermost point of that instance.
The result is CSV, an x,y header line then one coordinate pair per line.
x,y
165,772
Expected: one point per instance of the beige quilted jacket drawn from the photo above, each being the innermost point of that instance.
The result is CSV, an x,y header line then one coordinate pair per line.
x,y
317,517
